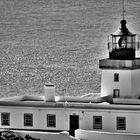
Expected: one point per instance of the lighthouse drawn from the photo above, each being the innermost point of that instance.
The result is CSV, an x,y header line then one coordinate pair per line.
x,y
121,71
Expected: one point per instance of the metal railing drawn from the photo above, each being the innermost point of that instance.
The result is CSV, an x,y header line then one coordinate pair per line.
x,y
104,63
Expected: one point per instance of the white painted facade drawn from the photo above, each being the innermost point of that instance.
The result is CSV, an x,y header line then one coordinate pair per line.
x,y
39,118
128,84
86,114
136,82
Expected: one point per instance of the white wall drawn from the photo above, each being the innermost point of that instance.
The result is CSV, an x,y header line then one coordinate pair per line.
x,y
39,118
108,84
109,120
62,118
136,82
90,135
129,82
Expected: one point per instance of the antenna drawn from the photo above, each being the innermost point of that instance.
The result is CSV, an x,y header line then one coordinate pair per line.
x,y
123,10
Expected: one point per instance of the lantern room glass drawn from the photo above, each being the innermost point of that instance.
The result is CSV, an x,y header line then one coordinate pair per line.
x,y
122,42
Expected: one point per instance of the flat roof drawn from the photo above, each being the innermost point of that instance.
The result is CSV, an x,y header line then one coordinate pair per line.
x,y
100,103
41,104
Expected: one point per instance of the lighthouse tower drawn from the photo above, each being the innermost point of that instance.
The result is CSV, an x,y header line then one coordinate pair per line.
x,y
121,71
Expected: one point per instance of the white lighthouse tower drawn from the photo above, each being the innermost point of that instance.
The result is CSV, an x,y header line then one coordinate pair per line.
x,y
121,71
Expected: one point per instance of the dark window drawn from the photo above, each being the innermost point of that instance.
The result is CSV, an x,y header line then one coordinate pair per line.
x,y
116,93
121,123
116,77
28,119
5,119
97,122
51,120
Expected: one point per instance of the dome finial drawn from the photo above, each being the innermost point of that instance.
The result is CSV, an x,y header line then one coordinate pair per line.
x,y
123,21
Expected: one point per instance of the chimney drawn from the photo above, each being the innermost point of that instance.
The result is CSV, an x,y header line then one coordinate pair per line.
x,y
49,92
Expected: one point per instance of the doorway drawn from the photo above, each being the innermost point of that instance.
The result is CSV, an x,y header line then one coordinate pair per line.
x,y
74,124
116,93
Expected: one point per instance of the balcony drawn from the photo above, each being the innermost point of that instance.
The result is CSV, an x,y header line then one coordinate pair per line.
x,y
119,64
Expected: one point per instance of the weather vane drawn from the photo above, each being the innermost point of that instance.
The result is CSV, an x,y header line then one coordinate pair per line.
x,y
123,10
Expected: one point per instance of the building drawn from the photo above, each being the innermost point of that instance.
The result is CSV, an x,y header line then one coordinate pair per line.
x,y
115,115
121,66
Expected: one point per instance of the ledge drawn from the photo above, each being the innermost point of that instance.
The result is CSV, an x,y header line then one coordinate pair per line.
x,y
119,64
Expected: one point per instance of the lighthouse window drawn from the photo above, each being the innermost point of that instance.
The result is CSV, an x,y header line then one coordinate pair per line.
x,y
116,77
121,123
28,119
5,119
51,120
97,122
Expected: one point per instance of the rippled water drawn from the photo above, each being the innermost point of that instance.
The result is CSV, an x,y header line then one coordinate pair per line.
x,y
58,41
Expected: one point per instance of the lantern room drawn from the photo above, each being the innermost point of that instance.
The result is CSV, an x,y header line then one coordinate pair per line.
x,y
122,44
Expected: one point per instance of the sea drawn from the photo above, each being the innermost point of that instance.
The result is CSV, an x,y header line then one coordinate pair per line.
x,y
58,41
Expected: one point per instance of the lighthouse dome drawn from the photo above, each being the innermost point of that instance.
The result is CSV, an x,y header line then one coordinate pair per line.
x,y
123,31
